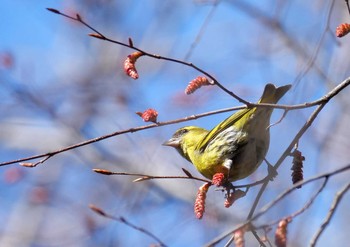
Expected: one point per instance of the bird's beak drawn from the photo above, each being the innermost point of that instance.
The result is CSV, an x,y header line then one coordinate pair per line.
x,y
172,142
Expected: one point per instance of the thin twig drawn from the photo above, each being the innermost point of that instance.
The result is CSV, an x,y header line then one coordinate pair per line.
x,y
230,241
280,120
100,138
262,244
253,184
324,100
312,58
276,26
347,5
126,222
303,209
31,165
335,204
284,155
201,30
290,147
144,177
158,124
275,201
131,46
311,201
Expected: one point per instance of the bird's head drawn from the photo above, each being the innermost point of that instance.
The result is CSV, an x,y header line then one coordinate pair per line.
x,y
185,139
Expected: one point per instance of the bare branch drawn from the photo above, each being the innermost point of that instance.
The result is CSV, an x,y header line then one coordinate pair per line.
x,y
202,30
149,177
335,204
131,130
347,5
131,46
303,209
280,120
321,102
126,222
325,176
53,10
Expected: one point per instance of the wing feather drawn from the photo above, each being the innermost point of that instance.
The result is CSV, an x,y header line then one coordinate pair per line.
x,y
228,122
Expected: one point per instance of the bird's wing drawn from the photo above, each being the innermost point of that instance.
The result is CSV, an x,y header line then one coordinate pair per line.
x,y
221,127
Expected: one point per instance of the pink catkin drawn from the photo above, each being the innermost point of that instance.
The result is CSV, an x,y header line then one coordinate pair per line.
x,y
150,115
199,205
281,233
342,30
129,64
196,84
218,179
239,238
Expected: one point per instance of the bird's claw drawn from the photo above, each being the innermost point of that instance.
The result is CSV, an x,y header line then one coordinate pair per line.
x,y
272,172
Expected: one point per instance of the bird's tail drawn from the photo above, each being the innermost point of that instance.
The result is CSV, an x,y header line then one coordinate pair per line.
x,y
273,94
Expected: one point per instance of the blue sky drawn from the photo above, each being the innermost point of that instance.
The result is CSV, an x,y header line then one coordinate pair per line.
x,y
66,87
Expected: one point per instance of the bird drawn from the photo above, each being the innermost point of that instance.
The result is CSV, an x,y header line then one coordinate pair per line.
x,y
235,147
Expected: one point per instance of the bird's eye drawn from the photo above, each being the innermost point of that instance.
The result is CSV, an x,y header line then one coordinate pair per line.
x,y
180,132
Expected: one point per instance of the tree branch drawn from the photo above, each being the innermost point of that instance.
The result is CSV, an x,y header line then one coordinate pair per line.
x,y
274,202
126,222
330,215
131,46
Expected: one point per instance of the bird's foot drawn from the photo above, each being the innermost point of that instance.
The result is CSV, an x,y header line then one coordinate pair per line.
x,y
272,172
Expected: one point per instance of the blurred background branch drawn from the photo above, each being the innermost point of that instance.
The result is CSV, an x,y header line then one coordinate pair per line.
x,y
59,87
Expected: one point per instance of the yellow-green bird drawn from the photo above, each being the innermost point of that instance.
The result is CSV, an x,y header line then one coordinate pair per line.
x,y
236,146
